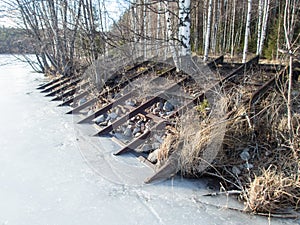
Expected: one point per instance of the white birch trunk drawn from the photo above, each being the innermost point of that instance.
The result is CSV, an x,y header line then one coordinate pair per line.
x,y
204,23
145,29
264,25
185,26
134,21
259,26
247,31
207,35
233,29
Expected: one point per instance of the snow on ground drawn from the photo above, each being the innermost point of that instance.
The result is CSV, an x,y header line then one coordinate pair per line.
x,y
52,171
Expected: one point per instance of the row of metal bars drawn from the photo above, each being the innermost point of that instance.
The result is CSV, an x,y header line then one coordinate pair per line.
x,y
65,87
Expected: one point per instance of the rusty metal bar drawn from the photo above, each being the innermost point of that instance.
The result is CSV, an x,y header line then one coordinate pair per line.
x,y
65,94
216,61
191,103
141,139
63,87
92,101
57,84
106,108
124,118
43,86
262,90
74,98
69,92
120,100
137,110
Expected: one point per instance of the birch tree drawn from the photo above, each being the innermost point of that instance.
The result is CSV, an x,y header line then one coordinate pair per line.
x,y
208,27
289,23
233,28
263,15
185,26
247,31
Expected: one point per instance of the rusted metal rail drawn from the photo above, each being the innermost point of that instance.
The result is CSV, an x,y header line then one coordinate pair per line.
x,y
56,85
43,86
65,89
93,100
69,92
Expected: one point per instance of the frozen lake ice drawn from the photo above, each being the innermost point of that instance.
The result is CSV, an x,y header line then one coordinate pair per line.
x,y
52,171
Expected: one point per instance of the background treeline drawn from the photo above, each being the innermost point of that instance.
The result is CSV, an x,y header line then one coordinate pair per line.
x,y
68,33
15,41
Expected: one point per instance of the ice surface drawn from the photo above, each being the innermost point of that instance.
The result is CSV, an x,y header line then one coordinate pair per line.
x,y
52,171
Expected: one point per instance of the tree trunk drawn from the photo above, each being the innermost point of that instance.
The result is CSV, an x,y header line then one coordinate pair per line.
x,y
233,28
185,26
247,31
170,35
207,35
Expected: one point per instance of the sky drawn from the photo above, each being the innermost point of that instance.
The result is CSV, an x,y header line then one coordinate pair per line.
x,y
5,19
114,9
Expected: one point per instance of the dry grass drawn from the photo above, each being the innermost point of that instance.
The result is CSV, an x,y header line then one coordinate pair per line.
x,y
273,191
269,176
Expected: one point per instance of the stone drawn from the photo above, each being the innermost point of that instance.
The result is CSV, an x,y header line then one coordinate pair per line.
x,y
118,111
127,132
162,114
158,138
168,106
153,156
82,101
138,134
159,105
235,170
156,111
130,103
248,166
100,119
146,148
136,130
113,116
90,112
104,123
155,145
245,155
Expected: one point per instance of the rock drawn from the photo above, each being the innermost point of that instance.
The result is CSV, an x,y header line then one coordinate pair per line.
x,y
168,107
136,130
127,132
156,111
146,148
162,114
118,111
158,138
155,145
90,112
142,127
245,155
100,119
153,156
130,103
248,165
113,116
82,101
138,134
159,105
104,123
235,170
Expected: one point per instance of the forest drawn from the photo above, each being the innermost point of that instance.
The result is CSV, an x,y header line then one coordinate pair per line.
x,y
15,41
215,27
260,152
